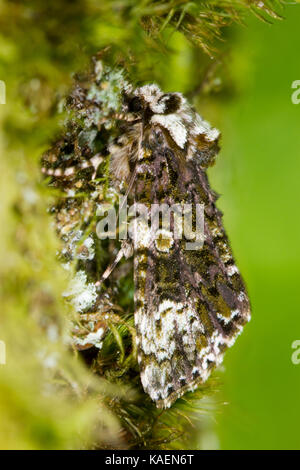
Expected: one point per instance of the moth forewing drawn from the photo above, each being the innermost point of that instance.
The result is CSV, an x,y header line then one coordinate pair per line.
x,y
190,304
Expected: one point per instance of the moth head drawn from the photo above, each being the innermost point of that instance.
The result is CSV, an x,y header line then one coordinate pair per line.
x,y
150,99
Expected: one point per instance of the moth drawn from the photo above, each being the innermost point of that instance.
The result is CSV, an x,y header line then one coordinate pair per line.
x,y
190,305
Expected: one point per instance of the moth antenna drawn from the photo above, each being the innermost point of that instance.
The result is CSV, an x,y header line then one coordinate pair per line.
x,y
123,250
140,143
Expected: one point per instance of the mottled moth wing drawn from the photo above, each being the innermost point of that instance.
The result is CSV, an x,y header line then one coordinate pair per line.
x,y
190,304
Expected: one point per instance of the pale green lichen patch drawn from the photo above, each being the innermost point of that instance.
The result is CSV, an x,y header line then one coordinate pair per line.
x,y
107,92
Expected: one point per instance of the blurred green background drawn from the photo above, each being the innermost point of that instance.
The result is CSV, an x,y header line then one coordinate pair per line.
x,y
248,98
258,176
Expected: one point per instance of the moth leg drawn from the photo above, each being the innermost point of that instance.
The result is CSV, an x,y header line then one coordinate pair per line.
x,y
126,250
71,170
128,117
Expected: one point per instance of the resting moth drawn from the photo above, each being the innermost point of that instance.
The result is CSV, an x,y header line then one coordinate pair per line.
x,y
190,305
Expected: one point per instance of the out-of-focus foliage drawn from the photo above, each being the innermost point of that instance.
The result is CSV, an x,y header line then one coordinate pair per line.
x,y
258,176
48,398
